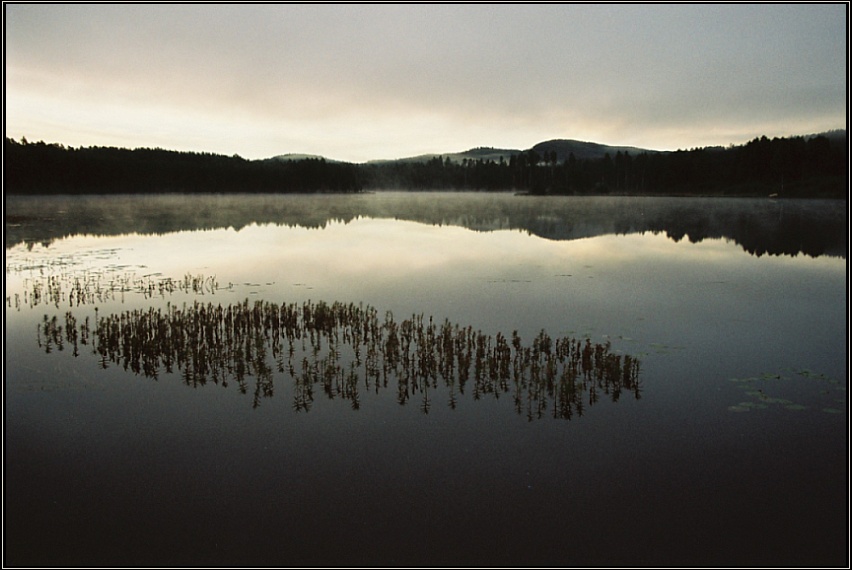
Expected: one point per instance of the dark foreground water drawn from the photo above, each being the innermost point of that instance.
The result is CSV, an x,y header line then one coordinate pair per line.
x,y
425,379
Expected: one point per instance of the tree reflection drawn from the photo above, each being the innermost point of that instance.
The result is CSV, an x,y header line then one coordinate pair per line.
x,y
760,226
342,350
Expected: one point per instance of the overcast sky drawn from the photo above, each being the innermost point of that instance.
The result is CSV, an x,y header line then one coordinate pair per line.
x,y
360,82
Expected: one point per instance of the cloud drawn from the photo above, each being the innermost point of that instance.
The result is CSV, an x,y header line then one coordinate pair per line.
x,y
345,80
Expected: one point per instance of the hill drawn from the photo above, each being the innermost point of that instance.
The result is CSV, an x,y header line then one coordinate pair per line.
x,y
297,156
479,153
584,150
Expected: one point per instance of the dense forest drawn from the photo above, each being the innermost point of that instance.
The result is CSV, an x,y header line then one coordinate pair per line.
x,y
40,168
788,167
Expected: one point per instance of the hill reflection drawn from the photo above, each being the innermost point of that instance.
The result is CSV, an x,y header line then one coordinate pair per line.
x,y
344,350
759,226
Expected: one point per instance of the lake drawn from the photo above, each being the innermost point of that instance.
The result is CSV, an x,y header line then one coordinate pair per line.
x,y
428,379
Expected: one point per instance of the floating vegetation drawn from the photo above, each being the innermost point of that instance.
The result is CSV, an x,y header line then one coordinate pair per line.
x,y
75,289
752,405
342,350
763,389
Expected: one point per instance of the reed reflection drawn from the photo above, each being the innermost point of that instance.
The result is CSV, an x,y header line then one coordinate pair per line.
x,y
87,288
342,350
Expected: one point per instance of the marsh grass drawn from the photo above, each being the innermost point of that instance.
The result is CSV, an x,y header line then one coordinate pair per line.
x,y
343,350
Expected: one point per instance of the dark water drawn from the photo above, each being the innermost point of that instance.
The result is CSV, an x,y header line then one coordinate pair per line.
x,y
425,379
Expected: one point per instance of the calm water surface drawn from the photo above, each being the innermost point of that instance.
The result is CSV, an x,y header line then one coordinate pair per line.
x,y
425,379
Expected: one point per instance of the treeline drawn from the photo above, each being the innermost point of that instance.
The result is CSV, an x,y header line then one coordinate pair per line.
x,y
40,168
814,167
787,167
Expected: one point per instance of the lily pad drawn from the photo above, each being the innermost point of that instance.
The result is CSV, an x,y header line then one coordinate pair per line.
x,y
796,407
832,411
777,401
739,409
743,380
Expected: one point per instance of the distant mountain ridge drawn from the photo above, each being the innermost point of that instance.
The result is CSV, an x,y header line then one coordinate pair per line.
x,y
582,150
563,147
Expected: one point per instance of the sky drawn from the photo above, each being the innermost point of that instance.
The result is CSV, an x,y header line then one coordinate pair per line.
x,y
371,81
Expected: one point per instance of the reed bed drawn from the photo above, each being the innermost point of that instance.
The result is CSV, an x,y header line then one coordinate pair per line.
x,y
342,350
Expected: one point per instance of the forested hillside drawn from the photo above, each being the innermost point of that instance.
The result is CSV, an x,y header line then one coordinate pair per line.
x,y
797,166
